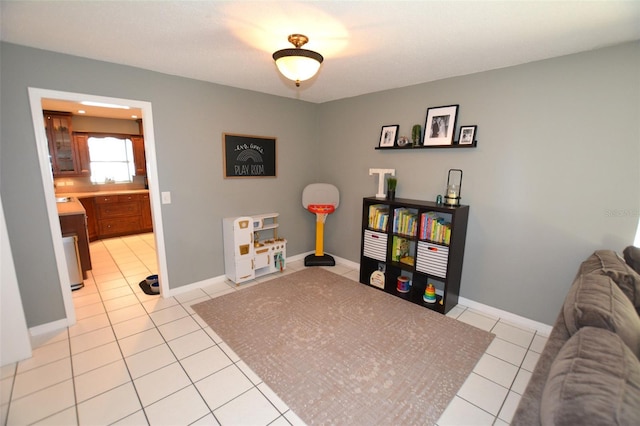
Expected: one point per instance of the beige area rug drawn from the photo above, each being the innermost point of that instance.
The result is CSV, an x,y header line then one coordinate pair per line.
x,y
339,352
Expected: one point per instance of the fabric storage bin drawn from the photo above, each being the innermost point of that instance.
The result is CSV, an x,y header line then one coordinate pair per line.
x,y
375,245
432,259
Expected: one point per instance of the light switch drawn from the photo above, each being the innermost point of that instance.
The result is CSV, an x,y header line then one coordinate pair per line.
x,y
166,197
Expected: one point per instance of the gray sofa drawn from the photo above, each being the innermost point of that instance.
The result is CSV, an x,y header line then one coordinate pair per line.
x,y
589,370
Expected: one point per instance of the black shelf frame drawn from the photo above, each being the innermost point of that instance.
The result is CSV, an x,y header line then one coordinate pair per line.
x,y
392,270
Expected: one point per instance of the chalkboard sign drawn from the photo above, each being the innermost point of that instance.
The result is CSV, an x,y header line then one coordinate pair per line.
x,y
248,156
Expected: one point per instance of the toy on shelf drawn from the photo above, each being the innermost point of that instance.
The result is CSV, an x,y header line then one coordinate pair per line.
x,y
377,279
429,294
404,284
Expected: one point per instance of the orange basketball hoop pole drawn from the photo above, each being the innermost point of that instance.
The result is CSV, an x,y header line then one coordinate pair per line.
x,y
321,199
319,236
321,211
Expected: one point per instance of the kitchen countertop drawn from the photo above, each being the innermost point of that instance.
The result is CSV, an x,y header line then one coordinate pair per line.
x,y
70,207
75,206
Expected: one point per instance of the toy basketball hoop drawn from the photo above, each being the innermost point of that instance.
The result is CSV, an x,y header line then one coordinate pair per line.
x,y
321,210
322,199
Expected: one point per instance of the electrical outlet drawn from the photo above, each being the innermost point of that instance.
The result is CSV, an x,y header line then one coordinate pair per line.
x,y
166,197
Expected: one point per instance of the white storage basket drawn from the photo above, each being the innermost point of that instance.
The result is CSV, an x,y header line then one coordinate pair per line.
x,y
375,245
432,259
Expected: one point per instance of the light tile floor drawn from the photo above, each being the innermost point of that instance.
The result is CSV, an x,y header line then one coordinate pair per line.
x,y
135,359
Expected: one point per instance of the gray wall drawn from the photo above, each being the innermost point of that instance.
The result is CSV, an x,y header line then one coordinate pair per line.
x,y
555,176
189,119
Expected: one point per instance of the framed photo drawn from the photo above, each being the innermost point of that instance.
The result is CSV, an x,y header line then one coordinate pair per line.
x,y
246,156
440,125
467,135
388,136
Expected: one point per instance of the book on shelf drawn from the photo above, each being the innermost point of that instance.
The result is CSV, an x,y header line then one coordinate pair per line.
x,y
405,221
378,216
435,228
399,249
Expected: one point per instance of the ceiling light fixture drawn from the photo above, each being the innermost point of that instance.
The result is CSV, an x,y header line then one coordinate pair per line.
x,y
298,64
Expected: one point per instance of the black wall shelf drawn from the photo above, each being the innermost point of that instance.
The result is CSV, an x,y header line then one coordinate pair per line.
x,y
455,145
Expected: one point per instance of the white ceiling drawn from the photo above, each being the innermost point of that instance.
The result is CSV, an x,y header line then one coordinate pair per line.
x,y
368,46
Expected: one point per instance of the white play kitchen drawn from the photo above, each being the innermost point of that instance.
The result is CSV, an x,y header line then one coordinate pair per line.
x,y
252,247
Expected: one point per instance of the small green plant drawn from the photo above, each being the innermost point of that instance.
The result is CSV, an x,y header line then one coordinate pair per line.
x,y
392,183
416,132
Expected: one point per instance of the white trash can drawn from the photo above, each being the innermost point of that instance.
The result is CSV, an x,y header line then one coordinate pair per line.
x,y
70,245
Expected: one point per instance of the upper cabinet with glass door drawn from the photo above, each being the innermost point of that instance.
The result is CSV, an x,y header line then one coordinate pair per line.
x,y
65,155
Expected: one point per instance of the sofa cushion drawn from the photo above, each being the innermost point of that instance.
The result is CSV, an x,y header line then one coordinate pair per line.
x,y
594,300
602,259
609,263
632,257
594,380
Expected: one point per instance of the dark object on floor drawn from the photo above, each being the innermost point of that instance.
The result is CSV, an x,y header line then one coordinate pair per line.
x,y
324,260
147,288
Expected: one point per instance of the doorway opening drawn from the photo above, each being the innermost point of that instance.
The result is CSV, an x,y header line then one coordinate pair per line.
x,y
36,98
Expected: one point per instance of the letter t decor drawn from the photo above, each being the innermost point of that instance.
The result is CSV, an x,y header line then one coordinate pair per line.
x,y
381,178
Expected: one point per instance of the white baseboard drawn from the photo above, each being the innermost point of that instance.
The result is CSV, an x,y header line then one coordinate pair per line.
x,y
300,256
215,280
346,262
48,327
514,319
194,286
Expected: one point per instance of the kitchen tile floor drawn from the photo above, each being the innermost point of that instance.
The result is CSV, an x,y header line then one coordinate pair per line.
x,y
135,359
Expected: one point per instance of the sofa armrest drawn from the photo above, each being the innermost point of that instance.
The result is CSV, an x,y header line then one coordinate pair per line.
x,y
528,411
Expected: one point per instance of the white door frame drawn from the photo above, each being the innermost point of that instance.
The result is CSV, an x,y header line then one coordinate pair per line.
x,y
35,98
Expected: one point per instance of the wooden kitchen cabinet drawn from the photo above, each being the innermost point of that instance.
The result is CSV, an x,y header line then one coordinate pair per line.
x,y
118,215
139,158
69,155
121,226
145,207
90,211
122,214
124,198
75,224
81,145
62,154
